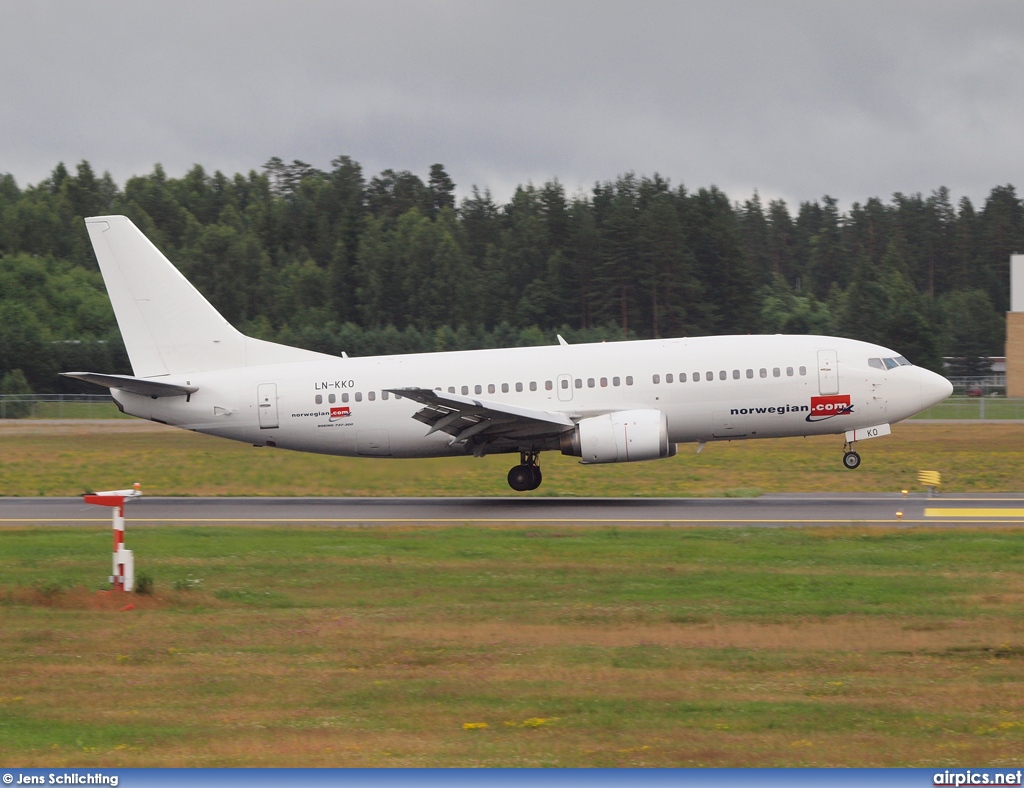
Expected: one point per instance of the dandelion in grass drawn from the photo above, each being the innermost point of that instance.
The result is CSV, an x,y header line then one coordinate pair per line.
x,y
474,726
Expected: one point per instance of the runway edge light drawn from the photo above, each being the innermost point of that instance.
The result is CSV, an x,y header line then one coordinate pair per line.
x,y
124,560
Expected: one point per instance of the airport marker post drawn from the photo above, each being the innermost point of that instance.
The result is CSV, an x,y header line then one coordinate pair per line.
x,y
124,561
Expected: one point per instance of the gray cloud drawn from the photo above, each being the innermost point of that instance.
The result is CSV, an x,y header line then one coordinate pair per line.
x,y
794,99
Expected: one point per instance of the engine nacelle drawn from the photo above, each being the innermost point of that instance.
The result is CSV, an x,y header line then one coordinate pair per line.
x,y
623,436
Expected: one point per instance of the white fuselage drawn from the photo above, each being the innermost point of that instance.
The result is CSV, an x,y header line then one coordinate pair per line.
x,y
710,388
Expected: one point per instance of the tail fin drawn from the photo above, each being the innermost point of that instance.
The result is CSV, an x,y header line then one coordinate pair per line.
x,y
167,325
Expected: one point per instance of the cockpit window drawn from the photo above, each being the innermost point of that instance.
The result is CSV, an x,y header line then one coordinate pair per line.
x,y
888,363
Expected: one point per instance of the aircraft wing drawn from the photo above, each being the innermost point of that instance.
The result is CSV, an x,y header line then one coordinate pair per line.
x,y
147,387
480,421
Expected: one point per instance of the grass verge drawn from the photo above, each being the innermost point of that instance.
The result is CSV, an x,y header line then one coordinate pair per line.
x,y
515,647
43,459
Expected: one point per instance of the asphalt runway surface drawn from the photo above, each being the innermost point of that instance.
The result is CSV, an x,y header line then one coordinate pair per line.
x,y
779,510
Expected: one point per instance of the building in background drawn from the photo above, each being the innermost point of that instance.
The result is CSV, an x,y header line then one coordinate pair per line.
x,y
1015,329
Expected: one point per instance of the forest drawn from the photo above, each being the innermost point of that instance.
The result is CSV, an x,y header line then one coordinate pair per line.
x,y
334,261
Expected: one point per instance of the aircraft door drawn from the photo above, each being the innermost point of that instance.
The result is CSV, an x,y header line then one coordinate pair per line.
x,y
564,386
828,372
266,400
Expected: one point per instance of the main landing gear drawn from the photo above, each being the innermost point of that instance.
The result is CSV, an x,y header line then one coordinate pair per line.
x,y
526,475
851,459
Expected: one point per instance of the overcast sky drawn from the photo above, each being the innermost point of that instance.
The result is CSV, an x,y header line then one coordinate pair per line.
x,y
794,99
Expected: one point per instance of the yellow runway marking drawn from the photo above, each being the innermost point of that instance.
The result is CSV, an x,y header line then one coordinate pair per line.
x,y
935,512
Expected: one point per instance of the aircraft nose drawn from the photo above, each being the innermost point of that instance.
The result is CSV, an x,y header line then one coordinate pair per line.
x,y
934,388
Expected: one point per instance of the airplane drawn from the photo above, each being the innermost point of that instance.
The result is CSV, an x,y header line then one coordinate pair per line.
x,y
601,402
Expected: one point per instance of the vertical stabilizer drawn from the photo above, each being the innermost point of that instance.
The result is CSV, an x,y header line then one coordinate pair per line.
x,y
167,325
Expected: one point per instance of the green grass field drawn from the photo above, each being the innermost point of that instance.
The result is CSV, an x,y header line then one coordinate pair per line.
x,y
515,647
37,458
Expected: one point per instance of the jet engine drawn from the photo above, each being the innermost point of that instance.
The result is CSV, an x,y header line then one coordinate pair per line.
x,y
623,436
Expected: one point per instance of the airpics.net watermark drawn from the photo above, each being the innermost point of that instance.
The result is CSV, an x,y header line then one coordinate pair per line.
x,y
957,777
62,778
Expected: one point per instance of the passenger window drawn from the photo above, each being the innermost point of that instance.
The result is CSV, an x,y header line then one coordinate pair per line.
x,y
504,388
519,386
763,373
682,377
490,388
604,383
533,385
565,383
478,389
579,383
465,389
722,375
548,385
656,379
668,378
344,397
615,381
629,380
750,374
371,396
803,370
735,374
590,383
319,399
331,398
709,375
776,372
451,389
384,395
696,377
789,372
359,396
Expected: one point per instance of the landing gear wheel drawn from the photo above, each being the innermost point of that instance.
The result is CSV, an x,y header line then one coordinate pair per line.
x,y
851,460
526,475
520,478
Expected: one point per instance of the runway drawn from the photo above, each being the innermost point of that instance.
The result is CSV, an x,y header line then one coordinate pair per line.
x,y
764,511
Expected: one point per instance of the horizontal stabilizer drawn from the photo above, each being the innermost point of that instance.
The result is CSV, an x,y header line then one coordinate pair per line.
x,y
147,388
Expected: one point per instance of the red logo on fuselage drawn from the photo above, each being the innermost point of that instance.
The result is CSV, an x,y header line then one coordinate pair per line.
x,y
340,413
827,407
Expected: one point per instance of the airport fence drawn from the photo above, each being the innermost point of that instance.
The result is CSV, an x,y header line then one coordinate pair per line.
x,y
985,408
58,406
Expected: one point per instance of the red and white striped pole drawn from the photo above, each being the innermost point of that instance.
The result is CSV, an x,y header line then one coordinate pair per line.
x,y
124,561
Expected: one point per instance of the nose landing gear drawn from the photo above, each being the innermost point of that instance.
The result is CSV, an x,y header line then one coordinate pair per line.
x,y
851,459
526,475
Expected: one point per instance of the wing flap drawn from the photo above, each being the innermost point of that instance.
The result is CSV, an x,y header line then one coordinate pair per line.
x,y
467,418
